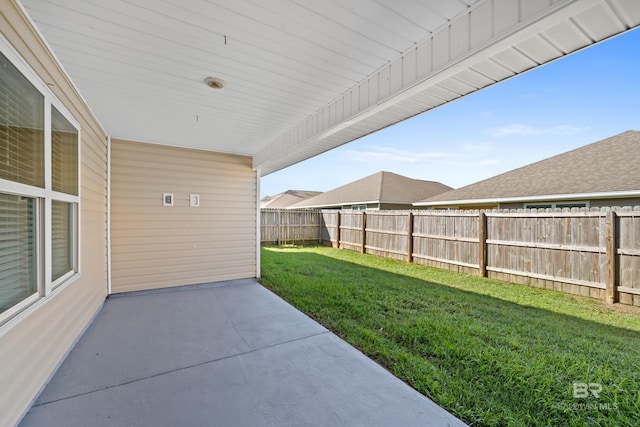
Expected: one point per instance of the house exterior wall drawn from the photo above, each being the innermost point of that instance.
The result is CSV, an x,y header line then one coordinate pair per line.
x,y
393,206
156,246
375,206
615,202
485,206
592,203
34,343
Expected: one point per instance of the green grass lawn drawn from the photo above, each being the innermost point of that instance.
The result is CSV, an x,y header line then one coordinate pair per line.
x,y
490,352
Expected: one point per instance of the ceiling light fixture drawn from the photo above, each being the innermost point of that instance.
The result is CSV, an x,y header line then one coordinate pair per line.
x,y
215,82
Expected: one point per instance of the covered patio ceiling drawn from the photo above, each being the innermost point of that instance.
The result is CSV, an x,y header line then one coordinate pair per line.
x,y
301,76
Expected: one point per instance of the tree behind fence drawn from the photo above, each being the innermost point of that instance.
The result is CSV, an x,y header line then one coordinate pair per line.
x,y
590,252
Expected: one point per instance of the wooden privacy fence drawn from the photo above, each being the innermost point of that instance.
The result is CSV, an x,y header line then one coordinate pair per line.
x,y
282,226
590,252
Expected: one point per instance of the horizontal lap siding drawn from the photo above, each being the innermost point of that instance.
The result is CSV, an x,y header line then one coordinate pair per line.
x,y
154,246
31,347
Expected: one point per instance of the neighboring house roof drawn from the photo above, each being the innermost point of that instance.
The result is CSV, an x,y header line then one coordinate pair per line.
x,y
603,169
287,198
381,187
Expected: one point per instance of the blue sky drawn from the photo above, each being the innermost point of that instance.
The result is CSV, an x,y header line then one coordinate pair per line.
x,y
579,99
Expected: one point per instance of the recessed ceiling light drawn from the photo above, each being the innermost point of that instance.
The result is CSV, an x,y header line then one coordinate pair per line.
x,y
215,82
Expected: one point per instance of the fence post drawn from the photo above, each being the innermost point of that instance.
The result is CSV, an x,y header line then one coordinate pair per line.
x,y
338,230
410,238
611,294
482,244
278,219
364,232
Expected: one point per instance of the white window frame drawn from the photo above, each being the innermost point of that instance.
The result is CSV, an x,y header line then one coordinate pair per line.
x,y
358,207
554,205
46,288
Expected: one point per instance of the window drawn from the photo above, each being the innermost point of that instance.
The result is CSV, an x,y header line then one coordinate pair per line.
x,y
39,189
571,205
359,207
560,205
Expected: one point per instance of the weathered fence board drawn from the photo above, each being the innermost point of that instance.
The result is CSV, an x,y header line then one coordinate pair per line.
x,y
282,226
565,245
629,257
592,252
330,227
351,236
387,234
442,238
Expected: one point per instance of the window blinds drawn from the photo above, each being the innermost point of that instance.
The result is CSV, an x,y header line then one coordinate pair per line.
x,y
21,128
17,249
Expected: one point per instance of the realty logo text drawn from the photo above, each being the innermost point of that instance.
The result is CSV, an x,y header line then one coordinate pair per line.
x,y
583,390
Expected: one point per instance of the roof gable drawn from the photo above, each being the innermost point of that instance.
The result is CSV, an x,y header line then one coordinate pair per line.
x,y
287,198
381,187
609,165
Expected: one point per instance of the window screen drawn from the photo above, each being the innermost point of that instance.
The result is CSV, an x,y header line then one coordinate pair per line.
x,y
17,249
21,128
64,154
61,239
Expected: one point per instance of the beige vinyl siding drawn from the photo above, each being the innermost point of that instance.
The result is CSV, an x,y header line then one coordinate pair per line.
x,y
395,206
154,246
593,203
519,205
615,202
33,345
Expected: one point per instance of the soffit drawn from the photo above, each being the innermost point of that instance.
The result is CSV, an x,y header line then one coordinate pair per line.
x,y
302,77
140,64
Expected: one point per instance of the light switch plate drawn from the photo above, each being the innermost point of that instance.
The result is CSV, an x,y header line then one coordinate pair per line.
x,y
167,199
194,200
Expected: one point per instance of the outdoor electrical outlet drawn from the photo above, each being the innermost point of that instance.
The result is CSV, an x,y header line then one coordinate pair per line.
x,y
167,199
194,200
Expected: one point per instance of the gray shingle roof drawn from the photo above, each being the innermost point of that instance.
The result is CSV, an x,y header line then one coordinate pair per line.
x,y
381,187
609,165
287,198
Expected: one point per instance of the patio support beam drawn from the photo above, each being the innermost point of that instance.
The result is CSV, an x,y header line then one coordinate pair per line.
x,y
258,222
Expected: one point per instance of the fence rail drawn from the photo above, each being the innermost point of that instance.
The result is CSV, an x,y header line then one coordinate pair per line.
x,y
592,252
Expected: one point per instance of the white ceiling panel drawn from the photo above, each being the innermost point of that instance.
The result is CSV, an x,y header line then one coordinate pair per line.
x,y
302,76
539,49
493,70
567,36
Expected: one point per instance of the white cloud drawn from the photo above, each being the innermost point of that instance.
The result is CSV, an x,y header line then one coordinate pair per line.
x,y
526,130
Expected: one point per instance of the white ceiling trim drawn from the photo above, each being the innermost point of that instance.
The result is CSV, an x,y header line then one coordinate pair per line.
x,y
489,42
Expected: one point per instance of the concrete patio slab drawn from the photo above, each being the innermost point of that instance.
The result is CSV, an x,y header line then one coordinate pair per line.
x,y
230,354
